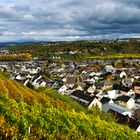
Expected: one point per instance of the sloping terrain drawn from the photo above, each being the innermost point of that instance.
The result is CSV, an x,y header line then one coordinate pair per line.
x,y
26,114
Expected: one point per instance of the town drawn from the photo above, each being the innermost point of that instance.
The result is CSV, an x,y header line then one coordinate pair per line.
x,y
110,85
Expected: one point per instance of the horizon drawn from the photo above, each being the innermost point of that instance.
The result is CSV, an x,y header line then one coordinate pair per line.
x,y
53,41
68,20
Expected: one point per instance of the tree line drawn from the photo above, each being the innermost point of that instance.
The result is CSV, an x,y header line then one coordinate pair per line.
x,y
20,56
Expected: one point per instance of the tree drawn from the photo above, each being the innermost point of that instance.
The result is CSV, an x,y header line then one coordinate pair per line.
x,y
27,56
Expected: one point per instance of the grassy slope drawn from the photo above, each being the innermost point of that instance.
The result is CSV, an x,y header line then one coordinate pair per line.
x,y
21,108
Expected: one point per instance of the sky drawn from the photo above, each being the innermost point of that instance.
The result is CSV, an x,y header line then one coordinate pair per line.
x,y
61,20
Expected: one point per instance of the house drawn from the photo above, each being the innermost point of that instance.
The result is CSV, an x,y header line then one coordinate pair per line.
x,y
18,77
86,100
106,100
79,87
127,82
112,94
137,88
23,68
131,92
42,82
126,101
13,75
107,85
34,70
21,76
38,81
137,103
30,69
99,93
126,120
54,85
117,108
134,124
35,79
123,75
126,91
109,68
63,89
91,89
91,80
116,87
92,73
57,85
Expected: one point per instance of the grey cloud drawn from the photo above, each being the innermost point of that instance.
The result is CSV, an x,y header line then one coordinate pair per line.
x,y
68,19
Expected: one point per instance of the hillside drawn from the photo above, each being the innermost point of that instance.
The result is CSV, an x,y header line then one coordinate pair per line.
x,y
26,114
80,49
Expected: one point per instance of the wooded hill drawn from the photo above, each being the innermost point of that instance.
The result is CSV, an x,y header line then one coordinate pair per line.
x,y
80,49
27,114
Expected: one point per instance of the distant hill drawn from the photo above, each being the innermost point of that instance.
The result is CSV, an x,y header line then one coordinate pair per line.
x,y
26,114
79,49
11,44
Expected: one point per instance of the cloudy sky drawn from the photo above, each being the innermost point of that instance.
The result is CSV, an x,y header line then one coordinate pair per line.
x,y
68,19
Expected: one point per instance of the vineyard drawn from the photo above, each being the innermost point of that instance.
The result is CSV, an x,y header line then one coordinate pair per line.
x,y
27,114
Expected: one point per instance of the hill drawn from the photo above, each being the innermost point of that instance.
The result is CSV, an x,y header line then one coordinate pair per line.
x,y
27,114
80,49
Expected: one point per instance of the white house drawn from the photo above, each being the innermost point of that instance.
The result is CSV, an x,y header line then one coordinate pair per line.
x,y
126,101
127,91
109,68
92,80
63,89
104,101
35,79
34,70
131,92
123,75
91,89
112,94
86,100
42,83
95,103
20,77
